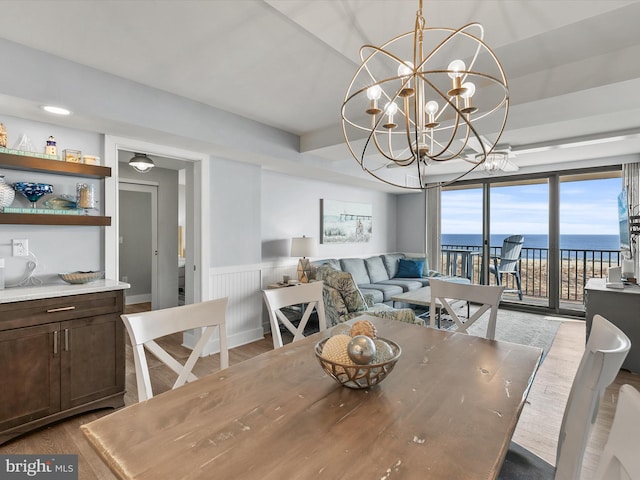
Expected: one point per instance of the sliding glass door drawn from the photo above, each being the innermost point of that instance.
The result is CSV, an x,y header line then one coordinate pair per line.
x,y
461,227
589,232
568,222
519,240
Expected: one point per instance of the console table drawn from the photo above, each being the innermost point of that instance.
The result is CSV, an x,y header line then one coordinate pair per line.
x,y
620,307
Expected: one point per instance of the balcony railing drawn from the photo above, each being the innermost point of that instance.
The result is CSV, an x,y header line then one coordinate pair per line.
x,y
576,267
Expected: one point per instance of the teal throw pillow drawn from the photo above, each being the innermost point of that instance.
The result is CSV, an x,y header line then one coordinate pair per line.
x,y
410,268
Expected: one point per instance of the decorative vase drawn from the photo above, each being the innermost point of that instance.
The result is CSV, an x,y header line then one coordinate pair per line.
x,y
33,191
7,194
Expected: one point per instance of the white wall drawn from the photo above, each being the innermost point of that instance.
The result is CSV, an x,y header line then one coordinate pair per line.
x,y
291,208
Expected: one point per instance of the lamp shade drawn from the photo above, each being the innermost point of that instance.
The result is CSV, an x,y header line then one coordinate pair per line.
x,y
303,247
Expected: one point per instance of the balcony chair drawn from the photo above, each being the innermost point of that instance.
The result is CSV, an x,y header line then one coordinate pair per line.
x,y
509,261
606,349
309,295
144,328
444,295
620,459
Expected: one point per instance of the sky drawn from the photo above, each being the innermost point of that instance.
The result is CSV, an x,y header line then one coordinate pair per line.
x,y
586,208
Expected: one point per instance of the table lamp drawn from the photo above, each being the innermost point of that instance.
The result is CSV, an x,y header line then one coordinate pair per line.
x,y
303,247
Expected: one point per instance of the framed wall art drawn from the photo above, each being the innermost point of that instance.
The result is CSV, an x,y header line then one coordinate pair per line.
x,y
345,222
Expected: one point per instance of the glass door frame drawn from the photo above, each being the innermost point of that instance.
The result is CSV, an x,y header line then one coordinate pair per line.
x,y
553,258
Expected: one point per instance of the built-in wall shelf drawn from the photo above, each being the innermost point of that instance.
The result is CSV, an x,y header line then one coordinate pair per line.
x,y
33,164
46,219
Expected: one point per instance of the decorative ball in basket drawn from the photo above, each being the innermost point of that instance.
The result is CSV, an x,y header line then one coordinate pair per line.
x,y
354,356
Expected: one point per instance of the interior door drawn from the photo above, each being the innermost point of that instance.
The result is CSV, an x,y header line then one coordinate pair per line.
x,y
138,224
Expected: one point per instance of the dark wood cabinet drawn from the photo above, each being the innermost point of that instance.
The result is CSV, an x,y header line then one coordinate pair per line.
x,y
61,356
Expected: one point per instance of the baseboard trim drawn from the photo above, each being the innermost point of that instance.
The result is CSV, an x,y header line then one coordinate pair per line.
x,y
133,299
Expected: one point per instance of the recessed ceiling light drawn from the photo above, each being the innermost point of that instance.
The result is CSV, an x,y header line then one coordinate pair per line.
x,y
56,110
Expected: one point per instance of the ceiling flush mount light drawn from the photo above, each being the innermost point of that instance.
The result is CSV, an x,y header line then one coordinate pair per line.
x,y
56,110
420,98
495,162
141,163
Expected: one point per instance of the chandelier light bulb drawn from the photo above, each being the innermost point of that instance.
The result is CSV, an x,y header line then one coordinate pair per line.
x,y
374,92
391,109
456,68
432,107
405,69
469,90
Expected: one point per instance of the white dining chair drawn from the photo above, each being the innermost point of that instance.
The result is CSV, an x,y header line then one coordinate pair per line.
x,y
606,349
620,459
444,295
145,327
307,295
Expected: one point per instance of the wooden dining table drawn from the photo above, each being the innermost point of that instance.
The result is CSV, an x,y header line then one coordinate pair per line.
x,y
447,411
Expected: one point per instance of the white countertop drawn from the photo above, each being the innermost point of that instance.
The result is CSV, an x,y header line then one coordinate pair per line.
x,y
19,294
600,284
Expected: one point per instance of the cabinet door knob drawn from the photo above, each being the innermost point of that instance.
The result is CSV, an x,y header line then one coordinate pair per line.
x,y
60,309
66,339
55,342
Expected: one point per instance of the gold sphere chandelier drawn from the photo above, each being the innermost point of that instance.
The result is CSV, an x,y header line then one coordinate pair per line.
x,y
405,110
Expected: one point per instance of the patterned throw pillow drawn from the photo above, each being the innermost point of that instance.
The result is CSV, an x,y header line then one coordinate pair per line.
x,y
343,282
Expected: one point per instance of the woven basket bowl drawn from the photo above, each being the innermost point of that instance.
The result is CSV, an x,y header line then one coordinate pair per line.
x,y
358,376
80,277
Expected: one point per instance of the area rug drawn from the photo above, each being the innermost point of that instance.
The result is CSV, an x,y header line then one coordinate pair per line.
x,y
520,327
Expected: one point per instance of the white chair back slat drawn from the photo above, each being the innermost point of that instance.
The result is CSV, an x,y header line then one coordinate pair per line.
x,y
604,354
620,459
145,327
309,294
445,293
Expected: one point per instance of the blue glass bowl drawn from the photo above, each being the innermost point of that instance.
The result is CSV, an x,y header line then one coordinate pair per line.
x,y
33,191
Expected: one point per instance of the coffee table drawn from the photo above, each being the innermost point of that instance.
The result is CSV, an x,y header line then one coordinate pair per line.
x,y
422,297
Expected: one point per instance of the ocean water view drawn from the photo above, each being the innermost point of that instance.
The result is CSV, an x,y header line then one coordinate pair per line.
x,y
567,242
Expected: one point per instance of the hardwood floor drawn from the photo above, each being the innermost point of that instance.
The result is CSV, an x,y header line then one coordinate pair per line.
x,y
537,429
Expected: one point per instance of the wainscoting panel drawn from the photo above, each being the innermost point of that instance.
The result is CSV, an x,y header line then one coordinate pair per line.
x,y
247,318
244,311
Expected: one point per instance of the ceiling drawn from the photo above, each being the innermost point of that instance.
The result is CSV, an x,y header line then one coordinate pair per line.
x,y
571,65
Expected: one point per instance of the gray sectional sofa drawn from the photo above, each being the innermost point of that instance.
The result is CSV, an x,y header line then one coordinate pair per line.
x,y
378,275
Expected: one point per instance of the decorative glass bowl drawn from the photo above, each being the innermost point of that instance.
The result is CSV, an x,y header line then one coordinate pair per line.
x,y
33,191
358,376
80,277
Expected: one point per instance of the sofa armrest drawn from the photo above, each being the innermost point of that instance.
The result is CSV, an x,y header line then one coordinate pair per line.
x,y
368,298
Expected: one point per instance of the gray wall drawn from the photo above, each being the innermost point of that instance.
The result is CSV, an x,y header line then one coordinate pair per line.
x,y
411,217
291,208
235,213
